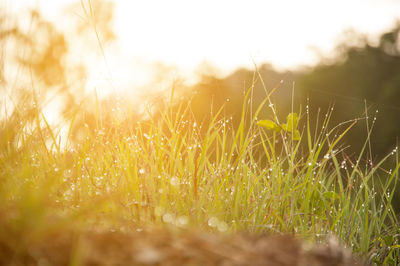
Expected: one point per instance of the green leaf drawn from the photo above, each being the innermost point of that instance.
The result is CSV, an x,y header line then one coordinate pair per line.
x,y
268,124
291,120
296,135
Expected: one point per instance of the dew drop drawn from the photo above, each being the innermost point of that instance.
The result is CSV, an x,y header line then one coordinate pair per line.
x,y
167,218
213,222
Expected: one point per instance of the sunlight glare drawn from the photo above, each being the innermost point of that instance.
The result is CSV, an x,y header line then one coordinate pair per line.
x,y
225,34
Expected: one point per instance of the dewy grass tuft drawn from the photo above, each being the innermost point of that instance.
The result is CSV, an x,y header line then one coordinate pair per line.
x,y
171,170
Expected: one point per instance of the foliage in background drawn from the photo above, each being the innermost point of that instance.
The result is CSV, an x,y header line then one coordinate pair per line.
x,y
363,74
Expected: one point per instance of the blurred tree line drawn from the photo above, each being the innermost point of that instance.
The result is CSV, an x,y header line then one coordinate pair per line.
x,y
364,75
362,81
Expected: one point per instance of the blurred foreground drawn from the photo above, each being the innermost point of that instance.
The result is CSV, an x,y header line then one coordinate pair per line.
x,y
163,247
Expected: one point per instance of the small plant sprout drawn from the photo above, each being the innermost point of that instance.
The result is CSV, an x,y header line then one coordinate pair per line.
x,y
290,126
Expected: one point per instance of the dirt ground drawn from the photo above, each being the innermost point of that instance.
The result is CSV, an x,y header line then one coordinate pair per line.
x,y
165,247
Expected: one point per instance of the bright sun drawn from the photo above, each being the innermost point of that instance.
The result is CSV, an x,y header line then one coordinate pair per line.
x,y
181,35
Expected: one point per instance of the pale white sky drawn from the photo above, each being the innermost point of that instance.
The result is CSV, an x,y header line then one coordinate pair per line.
x,y
228,33
225,33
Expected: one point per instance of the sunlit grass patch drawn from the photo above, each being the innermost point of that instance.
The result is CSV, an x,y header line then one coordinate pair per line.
x,y
171,170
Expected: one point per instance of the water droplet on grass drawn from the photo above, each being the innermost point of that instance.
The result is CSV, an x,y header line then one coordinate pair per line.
x,y
167,218
183,221
213,222
174,181
67,173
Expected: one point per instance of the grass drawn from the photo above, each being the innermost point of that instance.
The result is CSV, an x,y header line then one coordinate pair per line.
x,y
175,171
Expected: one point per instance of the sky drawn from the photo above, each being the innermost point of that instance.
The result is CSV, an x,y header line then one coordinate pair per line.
x,y
226,34
231,33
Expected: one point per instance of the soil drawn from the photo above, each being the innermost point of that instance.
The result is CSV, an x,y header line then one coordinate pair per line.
x,y
168,247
